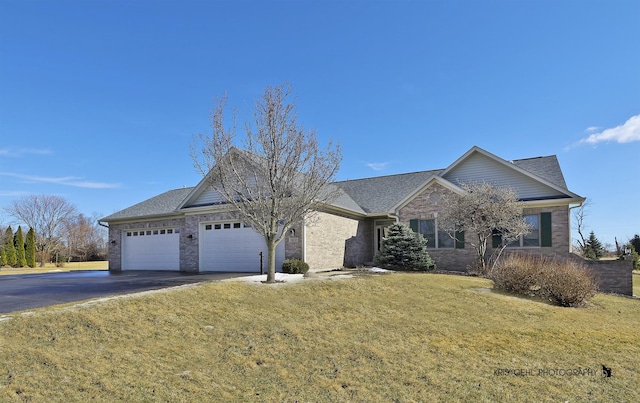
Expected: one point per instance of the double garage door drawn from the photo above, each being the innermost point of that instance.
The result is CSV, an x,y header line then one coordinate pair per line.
x,y
233,246
223,246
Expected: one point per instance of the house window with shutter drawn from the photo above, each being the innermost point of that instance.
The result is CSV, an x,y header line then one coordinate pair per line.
x,y
436,238
540,235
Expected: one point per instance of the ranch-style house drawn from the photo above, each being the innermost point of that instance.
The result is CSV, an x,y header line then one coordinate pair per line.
x,y
193,230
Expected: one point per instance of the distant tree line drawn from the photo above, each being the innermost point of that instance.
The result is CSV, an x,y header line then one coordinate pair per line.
x,y
15,251
59,233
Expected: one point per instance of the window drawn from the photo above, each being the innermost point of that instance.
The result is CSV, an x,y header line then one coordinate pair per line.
x,y
227,226
236,225
428,230
435,237
540,235
162,232
217,226
532,238
155,232
208,227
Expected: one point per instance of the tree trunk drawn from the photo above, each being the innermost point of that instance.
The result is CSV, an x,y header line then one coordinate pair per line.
x,y
271,261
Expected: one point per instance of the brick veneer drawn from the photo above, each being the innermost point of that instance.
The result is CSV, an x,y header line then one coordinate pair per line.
x,y
616,276
429,204
326,239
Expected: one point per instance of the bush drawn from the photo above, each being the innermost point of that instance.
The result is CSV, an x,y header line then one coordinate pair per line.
x,y
295,266
569,284
403,249
563,282
519,274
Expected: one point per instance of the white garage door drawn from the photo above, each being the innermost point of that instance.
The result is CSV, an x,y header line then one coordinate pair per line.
x,y
232,246
151,249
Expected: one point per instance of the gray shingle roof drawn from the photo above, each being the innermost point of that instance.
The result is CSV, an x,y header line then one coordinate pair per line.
x,y
165,203
545,167
381,193
368,195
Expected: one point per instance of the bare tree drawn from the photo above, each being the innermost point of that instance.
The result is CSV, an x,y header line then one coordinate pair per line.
x,y
83,236
579,216
484,211
278,176
46,215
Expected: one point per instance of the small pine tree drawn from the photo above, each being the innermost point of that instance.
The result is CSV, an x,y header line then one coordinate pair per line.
x,y
3,256
593,249
9,248
21,260
635,242
30,248
403,249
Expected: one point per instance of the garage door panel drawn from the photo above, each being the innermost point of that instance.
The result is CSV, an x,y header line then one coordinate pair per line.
x,y
235,248
155,250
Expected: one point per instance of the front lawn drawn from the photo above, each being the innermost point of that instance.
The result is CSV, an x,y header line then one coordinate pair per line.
x,y
51,267
398,337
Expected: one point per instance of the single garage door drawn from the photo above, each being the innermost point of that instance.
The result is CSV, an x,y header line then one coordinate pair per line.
x,y
233,246
151,249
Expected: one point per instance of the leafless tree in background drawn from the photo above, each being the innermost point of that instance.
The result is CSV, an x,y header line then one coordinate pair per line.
x,y
277,176
46,214
580,214
84,238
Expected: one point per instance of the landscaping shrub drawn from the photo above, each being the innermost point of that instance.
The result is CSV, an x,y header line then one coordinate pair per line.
x,y
516,273
568,283
403,249
294,266
563,282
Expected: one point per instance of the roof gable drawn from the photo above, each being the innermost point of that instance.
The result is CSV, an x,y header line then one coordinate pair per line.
x,y
478,165
379,194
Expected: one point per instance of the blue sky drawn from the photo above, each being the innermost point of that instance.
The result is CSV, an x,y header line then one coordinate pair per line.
x,y
99,100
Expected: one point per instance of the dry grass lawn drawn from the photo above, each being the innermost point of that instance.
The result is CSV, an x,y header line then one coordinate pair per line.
x,y
400,337
100,265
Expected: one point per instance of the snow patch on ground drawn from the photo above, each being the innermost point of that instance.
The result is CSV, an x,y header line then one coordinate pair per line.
x,y
379,270
280,277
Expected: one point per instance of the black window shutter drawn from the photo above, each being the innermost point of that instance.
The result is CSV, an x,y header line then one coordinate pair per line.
x,y
459,239
496,239
414,225
545,229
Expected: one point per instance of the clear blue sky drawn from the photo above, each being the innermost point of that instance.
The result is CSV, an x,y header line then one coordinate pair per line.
x,y
99,100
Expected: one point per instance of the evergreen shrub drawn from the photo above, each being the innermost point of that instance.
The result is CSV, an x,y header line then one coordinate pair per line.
x,y
294,266
403,249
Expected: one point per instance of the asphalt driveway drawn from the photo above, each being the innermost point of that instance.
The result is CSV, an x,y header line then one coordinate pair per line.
x,y
28,291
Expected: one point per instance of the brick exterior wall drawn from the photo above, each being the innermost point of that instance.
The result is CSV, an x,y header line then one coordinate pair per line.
x,y
332,241
293,245
428,205
616,276
359,248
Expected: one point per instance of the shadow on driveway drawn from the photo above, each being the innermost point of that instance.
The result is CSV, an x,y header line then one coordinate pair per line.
x,y
28,291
